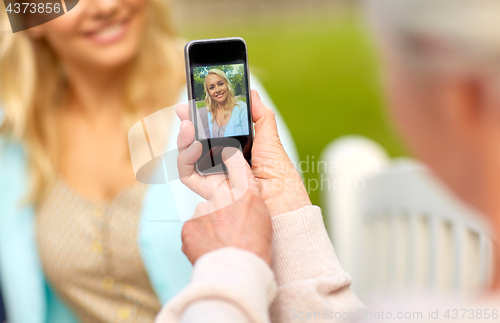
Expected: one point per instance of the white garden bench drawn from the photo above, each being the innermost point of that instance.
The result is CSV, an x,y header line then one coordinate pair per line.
x,y
394,225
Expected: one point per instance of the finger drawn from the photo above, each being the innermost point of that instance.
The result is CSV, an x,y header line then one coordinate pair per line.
x,y
182,111
188,157
263,117
240,174
185,163
186,135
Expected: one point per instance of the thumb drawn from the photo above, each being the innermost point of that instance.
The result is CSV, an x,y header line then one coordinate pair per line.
x,y
240,174
263,117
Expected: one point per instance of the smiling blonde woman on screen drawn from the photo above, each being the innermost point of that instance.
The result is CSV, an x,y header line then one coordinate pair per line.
x,y
227,115
84,238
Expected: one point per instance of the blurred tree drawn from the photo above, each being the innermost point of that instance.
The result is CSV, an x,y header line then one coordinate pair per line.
x,y
199,91
225,68
238,83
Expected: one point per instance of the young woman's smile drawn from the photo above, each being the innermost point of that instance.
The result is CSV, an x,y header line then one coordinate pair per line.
x,y
98,34
109,33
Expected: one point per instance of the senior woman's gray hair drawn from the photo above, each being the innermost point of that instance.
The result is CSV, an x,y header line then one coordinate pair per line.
x,y
441,33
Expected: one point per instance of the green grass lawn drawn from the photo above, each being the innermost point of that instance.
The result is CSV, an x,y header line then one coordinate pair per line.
x,y
322,76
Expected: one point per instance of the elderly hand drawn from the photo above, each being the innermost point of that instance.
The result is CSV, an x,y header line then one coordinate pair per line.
x,y
244,224
281,185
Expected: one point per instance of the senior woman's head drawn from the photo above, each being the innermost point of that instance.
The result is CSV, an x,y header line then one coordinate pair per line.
x,y
442,77
218,92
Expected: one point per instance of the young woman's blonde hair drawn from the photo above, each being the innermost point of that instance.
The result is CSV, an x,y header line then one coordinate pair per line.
x,y
211,104
33,86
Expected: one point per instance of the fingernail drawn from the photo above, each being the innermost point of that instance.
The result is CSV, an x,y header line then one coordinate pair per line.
x,y
228,152
193,146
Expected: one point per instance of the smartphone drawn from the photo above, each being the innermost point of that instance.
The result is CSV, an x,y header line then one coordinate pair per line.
x,y
219,96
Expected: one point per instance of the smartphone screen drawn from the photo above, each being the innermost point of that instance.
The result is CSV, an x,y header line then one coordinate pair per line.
x,y
219,92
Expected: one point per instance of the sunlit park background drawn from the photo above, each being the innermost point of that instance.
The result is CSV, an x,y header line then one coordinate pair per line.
x,y
316,59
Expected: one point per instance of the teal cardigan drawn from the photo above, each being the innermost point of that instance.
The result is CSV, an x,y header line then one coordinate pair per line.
x,y
27,295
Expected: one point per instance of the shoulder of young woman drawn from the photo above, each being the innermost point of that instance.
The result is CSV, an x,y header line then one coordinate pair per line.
x,y
242,105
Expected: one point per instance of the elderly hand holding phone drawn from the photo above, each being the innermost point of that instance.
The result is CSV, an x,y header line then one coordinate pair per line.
x,y
270,244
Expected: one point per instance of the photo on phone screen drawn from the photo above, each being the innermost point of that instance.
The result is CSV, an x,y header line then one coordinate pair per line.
x,y
218,87
220,96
